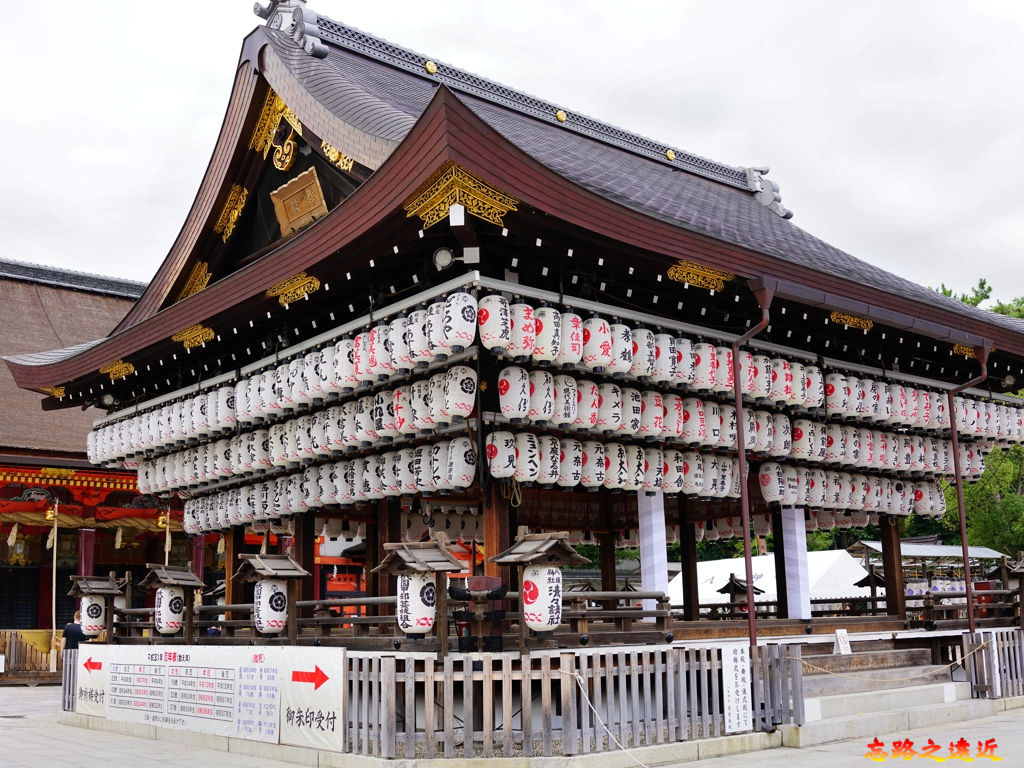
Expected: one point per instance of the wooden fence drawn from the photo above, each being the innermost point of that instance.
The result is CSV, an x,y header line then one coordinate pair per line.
x,y
21,655
409,705
995,663
69,680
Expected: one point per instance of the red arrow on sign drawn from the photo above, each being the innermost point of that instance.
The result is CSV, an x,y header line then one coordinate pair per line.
x,y
316,677
90,665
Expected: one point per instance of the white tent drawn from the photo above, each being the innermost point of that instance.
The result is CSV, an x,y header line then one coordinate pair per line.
x,y
831,573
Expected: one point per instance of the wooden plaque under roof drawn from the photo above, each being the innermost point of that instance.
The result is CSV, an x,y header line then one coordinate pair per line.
x,y
254,567
540,549
299,202
418,557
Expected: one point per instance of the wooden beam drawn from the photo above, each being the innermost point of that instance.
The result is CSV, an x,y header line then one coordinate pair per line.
x,y
892,563
234,544
779,543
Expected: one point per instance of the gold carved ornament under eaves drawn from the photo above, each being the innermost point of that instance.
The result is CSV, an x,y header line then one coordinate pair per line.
x,y
232,211
271,116
452,184
194,335
692,273
963,349
53,391
336,156
294,288
851,321
118,369
198,279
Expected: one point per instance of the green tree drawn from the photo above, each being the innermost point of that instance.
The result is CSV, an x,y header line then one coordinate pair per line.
x,y
979,293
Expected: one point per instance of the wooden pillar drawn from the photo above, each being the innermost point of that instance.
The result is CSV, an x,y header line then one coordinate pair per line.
x,y
392,533
303,551
892,563
374,545
86,550
688,555
199,556
606,549
496,531
779,543
44,588
234,544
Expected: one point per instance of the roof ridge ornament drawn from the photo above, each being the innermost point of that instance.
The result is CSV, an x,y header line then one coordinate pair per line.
x,y
297,20
766,191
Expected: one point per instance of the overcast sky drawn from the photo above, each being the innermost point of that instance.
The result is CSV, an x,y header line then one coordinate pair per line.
x,y
895,128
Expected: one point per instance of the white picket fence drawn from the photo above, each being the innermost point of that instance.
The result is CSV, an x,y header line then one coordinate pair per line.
x,y
995,663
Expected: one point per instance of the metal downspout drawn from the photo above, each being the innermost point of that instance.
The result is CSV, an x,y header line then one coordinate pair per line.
x,y
982,354
764,290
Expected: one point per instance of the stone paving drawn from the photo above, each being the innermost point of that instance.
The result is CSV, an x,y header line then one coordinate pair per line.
x,y
31,736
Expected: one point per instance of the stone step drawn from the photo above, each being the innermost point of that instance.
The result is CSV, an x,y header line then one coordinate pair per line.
x,y
894,721
878,679
895,699
824,664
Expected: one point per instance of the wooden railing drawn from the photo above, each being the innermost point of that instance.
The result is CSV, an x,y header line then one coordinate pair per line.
x,y
22,656
547,703
995,663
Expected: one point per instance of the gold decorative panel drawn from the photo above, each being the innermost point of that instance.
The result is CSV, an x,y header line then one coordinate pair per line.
x,y
698,275
961,349
53,391
194,335
299,202
851,321
336,156
294,288
118,369
273,112
232,211
198,279
452,184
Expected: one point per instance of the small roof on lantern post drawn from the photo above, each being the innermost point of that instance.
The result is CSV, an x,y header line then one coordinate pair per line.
x,y
93,585
875,578
735,586
550,548
256,567
419,557
170,576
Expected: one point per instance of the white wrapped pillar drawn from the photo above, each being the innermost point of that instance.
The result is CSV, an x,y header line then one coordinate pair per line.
x,y
794,544
653,557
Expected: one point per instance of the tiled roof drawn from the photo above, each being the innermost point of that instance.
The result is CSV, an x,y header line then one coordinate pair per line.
x,y
67,278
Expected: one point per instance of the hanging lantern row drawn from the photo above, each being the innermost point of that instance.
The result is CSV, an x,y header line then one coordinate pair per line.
x,y
568,462
817,488
443,466
459,523
356,424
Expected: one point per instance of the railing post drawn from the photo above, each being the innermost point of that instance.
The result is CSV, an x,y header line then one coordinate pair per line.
x,y
387,707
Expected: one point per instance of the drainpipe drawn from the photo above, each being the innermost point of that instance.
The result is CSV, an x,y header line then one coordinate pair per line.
x,y
764,290
982,354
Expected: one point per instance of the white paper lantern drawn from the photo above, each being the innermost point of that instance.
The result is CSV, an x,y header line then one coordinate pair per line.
x,y
398,346
541,593
746,360
597,344
344,379
781,389
694,429
664,358
405,470
693,473
642,365
772,482
632,411
792,487
727,431
712,423
762,374
94,615
523,335
570,348
609,408
622,350
673,427
270,606
685,363
494,319
704,366
416,338
460,317
799,392
814,387
652,415
542,396
565,396
724,372
654,469
439,465
514,393
501,454
460,391
417,603
440,346
547,339
587,402
438,410
674,471
420,404
592,469
527,457
549,449
570,462
169,610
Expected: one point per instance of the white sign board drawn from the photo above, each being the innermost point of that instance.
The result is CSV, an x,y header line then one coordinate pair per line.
x,y
313,697
736,688
842,643
223,691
